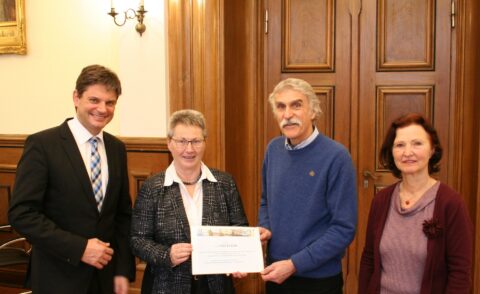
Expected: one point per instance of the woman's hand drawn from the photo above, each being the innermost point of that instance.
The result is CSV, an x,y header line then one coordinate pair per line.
x,y
180,252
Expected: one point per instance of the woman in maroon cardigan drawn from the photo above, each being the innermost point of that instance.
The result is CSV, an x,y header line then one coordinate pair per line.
x,y
419,235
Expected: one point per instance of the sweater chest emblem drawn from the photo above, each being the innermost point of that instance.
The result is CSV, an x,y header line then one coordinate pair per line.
x,y
311,173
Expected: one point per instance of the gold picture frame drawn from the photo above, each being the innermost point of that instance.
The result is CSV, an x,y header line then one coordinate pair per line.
x,y
12,27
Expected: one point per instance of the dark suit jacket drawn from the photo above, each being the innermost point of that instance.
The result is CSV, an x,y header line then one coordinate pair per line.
x,y
159,221
53,206
449,255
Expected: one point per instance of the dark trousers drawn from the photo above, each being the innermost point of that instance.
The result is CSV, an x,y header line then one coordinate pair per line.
x,y
200,285
95,285
297,285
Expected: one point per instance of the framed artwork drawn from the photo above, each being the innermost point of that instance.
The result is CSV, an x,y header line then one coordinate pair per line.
x,y
12,27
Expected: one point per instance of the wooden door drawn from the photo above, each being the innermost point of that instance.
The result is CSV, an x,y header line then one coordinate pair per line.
x,y
302,42
405,67
312,40
369,61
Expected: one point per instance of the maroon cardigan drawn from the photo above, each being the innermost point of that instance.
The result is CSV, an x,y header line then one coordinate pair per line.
x,y
449,255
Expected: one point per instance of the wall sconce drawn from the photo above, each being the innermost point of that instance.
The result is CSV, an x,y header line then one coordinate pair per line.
x,y
131,14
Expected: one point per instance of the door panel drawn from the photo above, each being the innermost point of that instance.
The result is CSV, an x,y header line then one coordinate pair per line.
x,y
326,122
405,34
394,101
308,30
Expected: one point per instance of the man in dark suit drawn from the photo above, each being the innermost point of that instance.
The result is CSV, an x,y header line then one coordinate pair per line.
x,y
71,197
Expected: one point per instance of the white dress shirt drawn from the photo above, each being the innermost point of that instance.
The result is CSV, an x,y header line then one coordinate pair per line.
x,y
82,135
193,204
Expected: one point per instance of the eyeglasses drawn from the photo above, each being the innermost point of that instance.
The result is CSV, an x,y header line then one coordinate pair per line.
x,y
183,143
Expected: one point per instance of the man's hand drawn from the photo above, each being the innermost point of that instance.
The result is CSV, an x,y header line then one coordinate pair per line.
x,y
265,235
97,253
120,284
180,252
278,271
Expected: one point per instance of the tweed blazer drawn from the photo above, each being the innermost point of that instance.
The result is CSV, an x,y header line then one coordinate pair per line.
x,y
159,220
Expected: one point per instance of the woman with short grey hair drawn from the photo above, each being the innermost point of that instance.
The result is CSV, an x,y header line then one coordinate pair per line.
x,y
188,193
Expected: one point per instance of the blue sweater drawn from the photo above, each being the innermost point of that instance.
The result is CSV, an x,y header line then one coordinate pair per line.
x,y
309,203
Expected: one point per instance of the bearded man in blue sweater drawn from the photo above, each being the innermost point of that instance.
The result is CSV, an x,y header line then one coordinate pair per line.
x,y
308,211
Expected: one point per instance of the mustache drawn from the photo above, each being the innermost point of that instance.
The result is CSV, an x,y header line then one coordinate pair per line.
x,y
290,122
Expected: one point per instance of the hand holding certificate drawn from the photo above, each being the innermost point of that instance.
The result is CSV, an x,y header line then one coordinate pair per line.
x,y
225,250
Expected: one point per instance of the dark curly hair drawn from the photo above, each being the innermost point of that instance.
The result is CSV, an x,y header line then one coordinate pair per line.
x,y
386,155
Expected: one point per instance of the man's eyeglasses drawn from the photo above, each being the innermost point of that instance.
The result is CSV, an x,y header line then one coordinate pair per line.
x,y
183,143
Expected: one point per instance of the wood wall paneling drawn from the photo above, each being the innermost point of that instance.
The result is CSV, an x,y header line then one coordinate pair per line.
x,y
243,27
179,54
209,29
355,40
145,156
5,192
10,150
466,107
240,113
7,176
196,66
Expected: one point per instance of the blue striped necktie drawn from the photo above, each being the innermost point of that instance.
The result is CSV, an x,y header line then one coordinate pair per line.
x,y
96,172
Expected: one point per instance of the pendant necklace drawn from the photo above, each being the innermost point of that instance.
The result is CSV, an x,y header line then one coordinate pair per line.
x,y
408,201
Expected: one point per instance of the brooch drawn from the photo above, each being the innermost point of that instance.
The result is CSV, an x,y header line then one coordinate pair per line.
x,y
431,228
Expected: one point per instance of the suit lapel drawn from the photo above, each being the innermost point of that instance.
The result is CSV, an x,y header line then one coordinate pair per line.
x,y
76,162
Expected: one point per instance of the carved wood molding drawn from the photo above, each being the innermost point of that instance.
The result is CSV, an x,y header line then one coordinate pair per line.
x,y
143,144
15,141
8,168
140,144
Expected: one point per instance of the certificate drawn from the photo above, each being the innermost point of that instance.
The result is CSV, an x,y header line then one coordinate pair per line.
x,y
224,250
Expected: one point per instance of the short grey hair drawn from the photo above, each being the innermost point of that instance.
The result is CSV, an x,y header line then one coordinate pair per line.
x,y
299,86
188,117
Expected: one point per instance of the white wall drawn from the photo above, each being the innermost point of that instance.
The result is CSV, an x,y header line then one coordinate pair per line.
x,y
62,38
